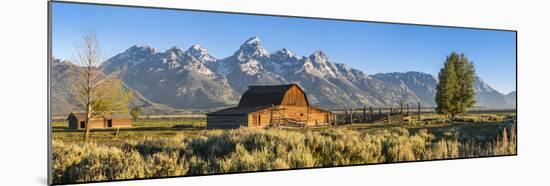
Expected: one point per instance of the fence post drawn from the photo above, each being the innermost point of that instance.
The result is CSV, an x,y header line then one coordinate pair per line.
x,y
364,114
370,113
351,117
401,107
345,116
335,119
407,108
418,111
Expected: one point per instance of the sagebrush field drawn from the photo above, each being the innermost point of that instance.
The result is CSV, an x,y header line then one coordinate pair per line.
x,y
176,147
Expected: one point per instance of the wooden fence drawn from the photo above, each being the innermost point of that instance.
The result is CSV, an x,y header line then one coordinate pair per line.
x,y
378,115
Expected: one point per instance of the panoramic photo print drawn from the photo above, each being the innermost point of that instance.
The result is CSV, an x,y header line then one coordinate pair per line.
x,y
138,93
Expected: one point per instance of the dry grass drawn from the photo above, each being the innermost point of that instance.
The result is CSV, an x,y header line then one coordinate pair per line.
x,y
241,150
434,119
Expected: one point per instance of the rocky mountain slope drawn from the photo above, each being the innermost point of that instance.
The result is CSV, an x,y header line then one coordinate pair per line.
x,y
64,98
193,79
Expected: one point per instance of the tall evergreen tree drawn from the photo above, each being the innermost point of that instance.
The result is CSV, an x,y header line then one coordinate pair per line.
x,y
446,87
465,95
455,89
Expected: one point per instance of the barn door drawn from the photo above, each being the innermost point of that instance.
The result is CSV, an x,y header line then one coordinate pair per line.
x,y
259,119
256,119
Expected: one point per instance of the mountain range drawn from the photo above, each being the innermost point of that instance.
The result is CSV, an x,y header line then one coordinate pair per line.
x,y
195,81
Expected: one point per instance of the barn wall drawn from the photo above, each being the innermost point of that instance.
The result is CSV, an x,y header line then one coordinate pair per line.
x,y
259,119
294,97
232,121
281,114
121,123
318,117
97,123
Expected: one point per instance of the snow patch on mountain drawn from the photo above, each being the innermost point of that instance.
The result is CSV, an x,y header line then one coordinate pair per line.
x,y
200,53
251,48
179,79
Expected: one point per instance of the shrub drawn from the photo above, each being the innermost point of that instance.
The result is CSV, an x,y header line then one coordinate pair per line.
x,y
90,162
222,151
479,118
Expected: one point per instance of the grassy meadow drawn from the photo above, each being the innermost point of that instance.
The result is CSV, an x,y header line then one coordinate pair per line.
x,y
160,147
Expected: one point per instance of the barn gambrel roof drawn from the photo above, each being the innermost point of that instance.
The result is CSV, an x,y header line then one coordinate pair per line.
x,y
236,111
266,95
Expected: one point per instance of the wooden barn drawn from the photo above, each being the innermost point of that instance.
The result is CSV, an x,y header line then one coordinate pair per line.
x,y
273,105
77,120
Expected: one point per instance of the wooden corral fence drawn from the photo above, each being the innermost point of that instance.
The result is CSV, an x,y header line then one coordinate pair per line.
x,y
403,113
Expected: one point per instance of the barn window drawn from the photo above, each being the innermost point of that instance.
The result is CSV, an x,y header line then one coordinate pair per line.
x,y
301,114
82,124
110,123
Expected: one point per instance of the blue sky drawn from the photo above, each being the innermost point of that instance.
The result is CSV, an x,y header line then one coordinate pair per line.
x,y
371,47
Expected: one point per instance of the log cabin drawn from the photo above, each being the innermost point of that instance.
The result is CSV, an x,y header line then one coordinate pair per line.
x,y
271,105
77,120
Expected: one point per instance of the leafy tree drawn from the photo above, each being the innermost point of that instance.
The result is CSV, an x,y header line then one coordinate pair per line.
x,y
111,96
135,112
97,93
455,89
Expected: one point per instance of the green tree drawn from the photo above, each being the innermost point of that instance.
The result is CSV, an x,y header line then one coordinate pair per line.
x,y
135,112
446,87
111,96
465,95
455,89
97,92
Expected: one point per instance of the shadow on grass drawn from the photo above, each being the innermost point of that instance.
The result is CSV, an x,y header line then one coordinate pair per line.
x,y
136,129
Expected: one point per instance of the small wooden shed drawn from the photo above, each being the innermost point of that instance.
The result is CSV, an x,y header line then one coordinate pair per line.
x,y
262,106
77,120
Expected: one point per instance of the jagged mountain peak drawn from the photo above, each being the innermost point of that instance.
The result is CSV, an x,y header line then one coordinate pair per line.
x,y
198,48
319,53
251,48
255,40
134,55
141,49
285,50
187,75
319,57
174,52
199,52
56,61
284,53
137,51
